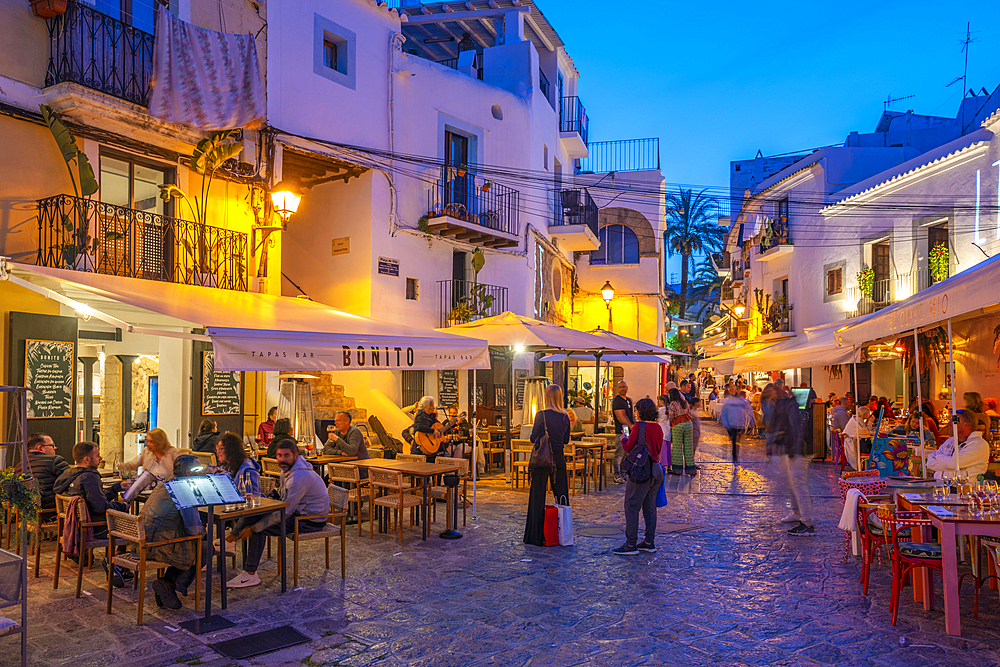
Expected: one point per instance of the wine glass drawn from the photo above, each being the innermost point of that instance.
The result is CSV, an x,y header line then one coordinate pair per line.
x,y
310,446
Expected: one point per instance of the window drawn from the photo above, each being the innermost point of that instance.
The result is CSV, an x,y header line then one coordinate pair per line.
x,y
834,281
413,289
619,245
334,51
413,387
330,55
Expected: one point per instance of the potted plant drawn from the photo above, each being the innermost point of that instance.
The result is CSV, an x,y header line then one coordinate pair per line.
x,y
46,9
938,261
866,281
202,251
76,223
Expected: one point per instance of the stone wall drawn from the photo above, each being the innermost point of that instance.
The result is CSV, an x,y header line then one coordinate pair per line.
x,y
142,370
329,399
111,408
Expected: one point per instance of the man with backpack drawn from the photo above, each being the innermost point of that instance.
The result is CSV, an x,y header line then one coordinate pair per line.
x,y
644,476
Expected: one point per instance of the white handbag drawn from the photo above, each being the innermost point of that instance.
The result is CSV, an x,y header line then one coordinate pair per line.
x,y
564,513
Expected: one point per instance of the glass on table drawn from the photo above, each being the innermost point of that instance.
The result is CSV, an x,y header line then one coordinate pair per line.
x,y
939,493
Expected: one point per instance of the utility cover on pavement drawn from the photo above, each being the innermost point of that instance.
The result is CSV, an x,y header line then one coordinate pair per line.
x,y
258,643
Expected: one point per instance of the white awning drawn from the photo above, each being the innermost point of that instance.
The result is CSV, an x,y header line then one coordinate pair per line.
x,y
725,363
262,332
819,348
965,293
586,359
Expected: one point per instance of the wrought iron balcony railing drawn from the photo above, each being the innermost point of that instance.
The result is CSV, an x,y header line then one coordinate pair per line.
x,y
97,51
463,301
887,291
776,233
477,62
573,117
576,207
87,235
621,155
466,196
727,292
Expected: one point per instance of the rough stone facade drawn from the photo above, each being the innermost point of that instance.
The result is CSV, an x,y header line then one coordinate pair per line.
x,y
329,399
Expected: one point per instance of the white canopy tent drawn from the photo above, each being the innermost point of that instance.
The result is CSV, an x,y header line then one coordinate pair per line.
x,y
964,295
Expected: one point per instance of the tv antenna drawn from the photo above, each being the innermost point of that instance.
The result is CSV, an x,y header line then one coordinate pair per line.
x,y
969,39
890,100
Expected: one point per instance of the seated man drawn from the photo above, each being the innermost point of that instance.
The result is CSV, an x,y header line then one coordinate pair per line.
x,y
163,521
461,433
46,466
345,439
973,450
304,491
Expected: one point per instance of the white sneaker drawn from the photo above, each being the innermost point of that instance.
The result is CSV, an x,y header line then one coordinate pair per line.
x,y
791,518
244,580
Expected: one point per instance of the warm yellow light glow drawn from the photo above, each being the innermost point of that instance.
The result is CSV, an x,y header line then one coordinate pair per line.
x,y
608,292
899,348
285,196
739,309
85,311
518,349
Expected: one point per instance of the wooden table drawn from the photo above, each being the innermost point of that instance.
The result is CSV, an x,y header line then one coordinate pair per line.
x,y
963,523
323,459
267,505
588,453
424,471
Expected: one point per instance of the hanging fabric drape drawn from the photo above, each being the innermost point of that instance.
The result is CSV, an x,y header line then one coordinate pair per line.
x,y
206,79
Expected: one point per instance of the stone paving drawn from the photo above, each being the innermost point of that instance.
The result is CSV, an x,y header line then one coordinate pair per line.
x,y
726,587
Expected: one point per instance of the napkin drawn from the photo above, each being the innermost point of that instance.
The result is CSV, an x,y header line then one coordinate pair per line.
x,y
941,511
913,497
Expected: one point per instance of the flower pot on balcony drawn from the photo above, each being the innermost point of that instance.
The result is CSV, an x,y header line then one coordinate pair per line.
x,y
46,9
206,280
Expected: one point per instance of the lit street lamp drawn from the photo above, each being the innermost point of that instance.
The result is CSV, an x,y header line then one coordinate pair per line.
x,y
608,292
285,197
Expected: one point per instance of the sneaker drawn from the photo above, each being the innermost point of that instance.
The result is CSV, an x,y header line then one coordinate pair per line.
x,y
625,550
792,518
802,529
117,579
165,594
647,547
244,580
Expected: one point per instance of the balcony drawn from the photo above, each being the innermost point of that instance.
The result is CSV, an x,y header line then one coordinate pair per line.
x,y
477,64
776,241
104,54
738,271
574,127
463,301
621,155
887,291
469,208
86,235
728,294
575,225
721,263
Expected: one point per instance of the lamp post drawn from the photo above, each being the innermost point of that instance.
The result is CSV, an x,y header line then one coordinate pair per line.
x,y
608,293
285,197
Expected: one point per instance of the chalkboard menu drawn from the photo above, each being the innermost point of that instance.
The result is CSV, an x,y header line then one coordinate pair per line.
x,y
220,391
50,367
448,388
520,374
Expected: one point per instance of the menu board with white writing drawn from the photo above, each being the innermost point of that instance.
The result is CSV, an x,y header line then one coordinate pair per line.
x,y
220,391
50,368
448,388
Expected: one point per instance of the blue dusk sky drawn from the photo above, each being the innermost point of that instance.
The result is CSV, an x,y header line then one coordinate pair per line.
x,y
718,81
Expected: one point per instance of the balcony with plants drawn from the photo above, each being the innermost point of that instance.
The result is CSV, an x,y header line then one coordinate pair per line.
x,y
871,294
77,232
575,221
775,313
775,239
468,207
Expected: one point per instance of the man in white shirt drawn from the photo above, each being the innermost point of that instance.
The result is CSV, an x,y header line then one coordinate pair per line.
x,y
973,450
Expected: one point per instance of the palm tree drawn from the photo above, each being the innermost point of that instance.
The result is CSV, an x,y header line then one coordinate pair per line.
x,y
706,287
691,229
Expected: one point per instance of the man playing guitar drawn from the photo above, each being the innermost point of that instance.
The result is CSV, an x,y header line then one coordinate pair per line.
x,y
429,435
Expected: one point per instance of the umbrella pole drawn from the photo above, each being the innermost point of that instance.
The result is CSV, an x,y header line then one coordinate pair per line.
x,y
597,390
954,408
920,404
475,444
509,456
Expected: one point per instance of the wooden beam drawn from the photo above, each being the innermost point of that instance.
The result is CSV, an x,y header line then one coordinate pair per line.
x,y
451,15
534,27
473,35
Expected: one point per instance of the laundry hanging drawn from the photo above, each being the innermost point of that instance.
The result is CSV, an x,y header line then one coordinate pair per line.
x,y
206,79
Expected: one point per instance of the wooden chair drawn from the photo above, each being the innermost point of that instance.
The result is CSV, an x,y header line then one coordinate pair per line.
x,y
520,456
131,528
86,546
270,467
439,492
206,458
46,525
574,465
376,453
338,505
412,458
351,475
397,497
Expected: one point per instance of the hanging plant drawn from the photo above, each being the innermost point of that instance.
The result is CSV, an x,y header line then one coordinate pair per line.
x,y
933,349
938,261
866,281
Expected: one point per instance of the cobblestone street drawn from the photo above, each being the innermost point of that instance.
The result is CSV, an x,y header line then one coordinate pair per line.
x,y
726,587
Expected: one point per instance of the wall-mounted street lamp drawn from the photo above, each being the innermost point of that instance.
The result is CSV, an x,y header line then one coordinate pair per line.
x,y
739,309
285,197
608,293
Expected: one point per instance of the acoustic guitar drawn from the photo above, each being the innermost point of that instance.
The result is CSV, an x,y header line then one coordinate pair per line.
x,y
430,443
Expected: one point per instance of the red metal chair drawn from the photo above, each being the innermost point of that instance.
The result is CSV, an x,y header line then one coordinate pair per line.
x,y
865,481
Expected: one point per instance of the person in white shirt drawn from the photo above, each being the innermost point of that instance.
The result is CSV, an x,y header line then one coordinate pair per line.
x,y
973,450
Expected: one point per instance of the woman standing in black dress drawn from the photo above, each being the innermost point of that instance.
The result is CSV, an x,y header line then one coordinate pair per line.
x,y
555,421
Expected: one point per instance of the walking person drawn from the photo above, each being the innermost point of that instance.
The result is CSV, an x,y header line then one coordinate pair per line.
x,y
681,435
790,446
642,495
554,422
736,417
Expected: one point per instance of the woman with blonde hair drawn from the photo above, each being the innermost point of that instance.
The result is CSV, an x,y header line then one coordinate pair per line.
x,y
553,422
157,456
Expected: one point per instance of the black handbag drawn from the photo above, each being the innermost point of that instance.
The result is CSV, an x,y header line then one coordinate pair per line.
x,y
541,451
